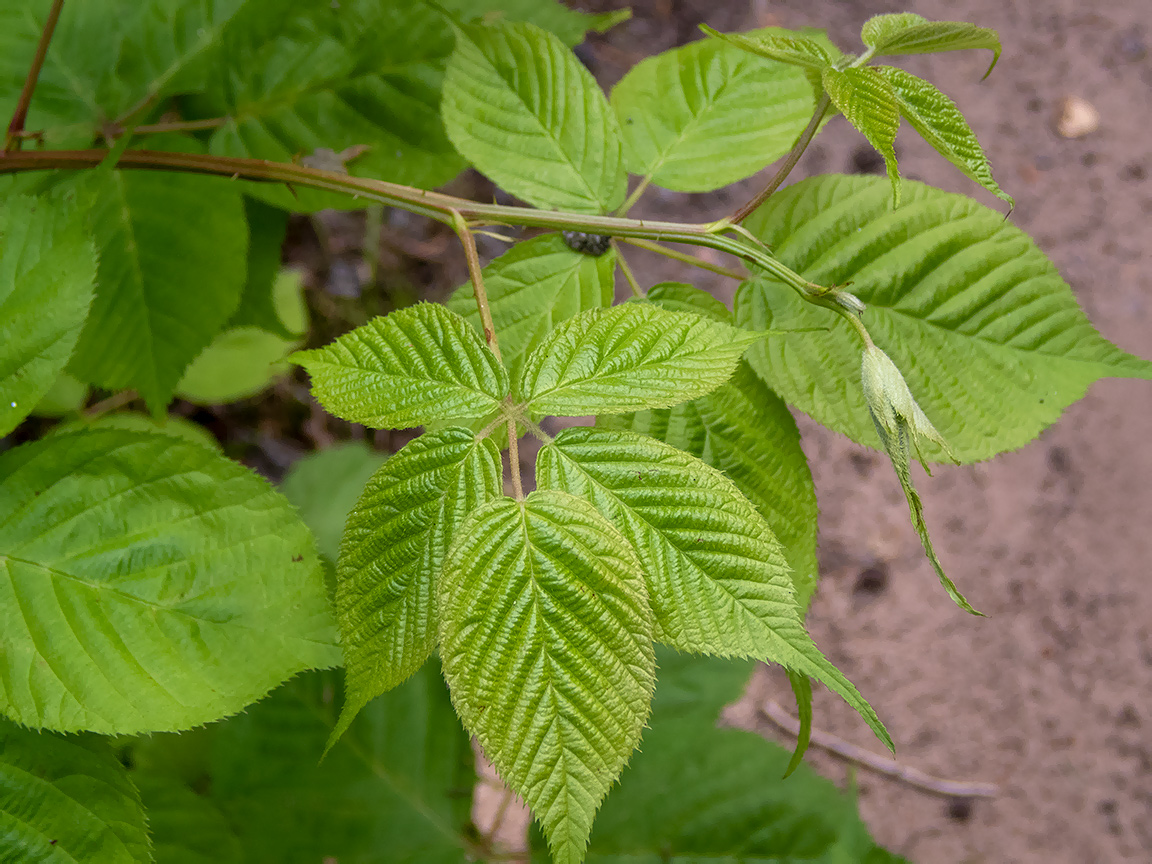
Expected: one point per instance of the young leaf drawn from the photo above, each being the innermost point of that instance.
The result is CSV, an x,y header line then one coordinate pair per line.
x,y
148,584
521,108
868,100
941,124
418,365
393,551
546,638
943,278
67,800
911,34
705,115
745,431
47,269
792,49
628,358
533,287
163,290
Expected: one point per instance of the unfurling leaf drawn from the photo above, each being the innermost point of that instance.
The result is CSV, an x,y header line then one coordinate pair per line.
x,y
907,33
791,49
868,101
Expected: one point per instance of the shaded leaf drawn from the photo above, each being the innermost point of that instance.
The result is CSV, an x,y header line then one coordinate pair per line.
x,y
267,227
682,297
186,828
568,24
868,100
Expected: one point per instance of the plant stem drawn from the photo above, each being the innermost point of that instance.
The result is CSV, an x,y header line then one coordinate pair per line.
x,y
637,291
116,400
174,126
635,196
473,258
514,460
789,163
685,258
16,126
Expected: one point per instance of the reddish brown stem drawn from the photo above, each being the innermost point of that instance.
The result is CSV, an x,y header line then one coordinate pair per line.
x,y
15,136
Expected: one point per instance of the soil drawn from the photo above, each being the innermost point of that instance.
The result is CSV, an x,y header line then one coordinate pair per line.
x,y
1048,697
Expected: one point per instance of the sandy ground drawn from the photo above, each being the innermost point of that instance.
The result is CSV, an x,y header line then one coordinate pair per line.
x,y
1049,697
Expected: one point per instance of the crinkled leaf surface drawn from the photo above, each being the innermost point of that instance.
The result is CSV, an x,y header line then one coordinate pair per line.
x,y
163,290
520,106
745,431
418,365
941,124
47,270
989,337
781,46
546,638
392,553
707,114
629,358
148,584
868,100
67,800
906,33
533,287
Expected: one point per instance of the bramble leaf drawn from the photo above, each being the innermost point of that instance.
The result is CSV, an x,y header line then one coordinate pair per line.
x,y
186,828
533,287
552,15
47,270
682,297
868,101
907,33
520,106
943,278
546,639
705,115
941,124
792,49
628,358
148,584
417,365
392,553
67,800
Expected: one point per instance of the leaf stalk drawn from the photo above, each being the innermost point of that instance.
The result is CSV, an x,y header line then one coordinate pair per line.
x,y
15,136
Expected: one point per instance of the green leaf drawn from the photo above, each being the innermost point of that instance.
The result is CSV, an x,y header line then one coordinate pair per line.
x,y
67,801
546,637
134,421
869,102
418,365
792,49
705,115
941,124
186,828
148,584
47,270
522,108
911,34
238,363
533,287
163,291
802,689
682,297
943,278
746,432
393,551
628,358
568,24
325,486
267,227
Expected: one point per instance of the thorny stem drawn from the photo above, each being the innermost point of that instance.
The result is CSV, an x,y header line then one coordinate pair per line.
x,y
16,127
637,291
473,257
789,163
685,258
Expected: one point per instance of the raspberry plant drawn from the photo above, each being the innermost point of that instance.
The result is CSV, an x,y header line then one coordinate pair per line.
x,y
152,585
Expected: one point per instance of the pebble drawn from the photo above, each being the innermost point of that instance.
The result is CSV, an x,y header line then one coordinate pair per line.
x,y
1077,118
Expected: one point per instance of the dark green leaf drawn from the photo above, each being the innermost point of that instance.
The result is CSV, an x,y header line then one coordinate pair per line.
x,y
186,828
682,297
266,230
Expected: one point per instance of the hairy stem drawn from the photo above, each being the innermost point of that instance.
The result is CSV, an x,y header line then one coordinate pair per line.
x,y
16,127
789,163
473,257
685,258
629,276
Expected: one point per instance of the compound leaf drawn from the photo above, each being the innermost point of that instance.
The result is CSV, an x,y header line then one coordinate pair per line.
x,y
393,551
67,801
47,270
546,638
148,584
520,106
868,100
989,337
906,33
533,287
705,115
417,365
792,49
628,358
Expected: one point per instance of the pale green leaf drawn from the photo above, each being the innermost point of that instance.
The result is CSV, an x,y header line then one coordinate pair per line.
x,y
868,100
911,34
745,431
941,124
163,290
520,106
67,801
186,828
238,363
47,270
546,637
682,297
148,584
392,553
989,337
415,366
628,358
705,115
569,24
533,287
67,395
792,49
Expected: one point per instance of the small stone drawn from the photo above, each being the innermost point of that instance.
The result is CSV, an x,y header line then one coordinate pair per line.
x,y
1077,118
